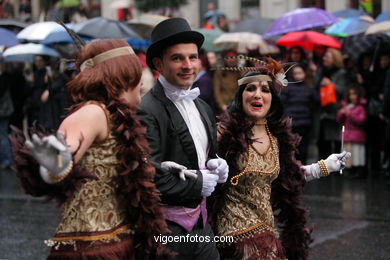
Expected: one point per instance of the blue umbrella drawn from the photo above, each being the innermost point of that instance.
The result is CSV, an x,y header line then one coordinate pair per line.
x,y
350,12
138,44
7,38
348,27
385,16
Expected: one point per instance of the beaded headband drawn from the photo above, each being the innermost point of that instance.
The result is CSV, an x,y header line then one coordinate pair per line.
x,y
122,51
248,79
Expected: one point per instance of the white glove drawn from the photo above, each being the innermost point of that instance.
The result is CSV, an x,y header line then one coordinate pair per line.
x,y
209,182
180,169
335,162
51,152
219,167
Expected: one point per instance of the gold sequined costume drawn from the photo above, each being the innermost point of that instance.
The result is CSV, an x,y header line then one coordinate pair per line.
x,y
94,220
247,212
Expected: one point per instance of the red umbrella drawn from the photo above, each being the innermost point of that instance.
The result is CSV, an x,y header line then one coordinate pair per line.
x,y
307,40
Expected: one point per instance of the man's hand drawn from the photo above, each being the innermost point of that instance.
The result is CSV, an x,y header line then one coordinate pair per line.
x,y
209,182
219,167
179,169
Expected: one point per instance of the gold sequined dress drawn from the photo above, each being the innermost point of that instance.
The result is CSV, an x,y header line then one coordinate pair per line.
x,y
94,222
247,212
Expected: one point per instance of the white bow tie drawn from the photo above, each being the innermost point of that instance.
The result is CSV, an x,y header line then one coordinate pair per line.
x,y
177,94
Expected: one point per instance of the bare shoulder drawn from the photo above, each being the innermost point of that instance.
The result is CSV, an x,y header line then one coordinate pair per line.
x,y
88,113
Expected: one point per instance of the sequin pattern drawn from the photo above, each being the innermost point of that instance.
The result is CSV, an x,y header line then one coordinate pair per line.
x,y
247,208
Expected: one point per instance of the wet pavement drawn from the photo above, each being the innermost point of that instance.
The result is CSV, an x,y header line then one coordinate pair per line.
x,y
351,219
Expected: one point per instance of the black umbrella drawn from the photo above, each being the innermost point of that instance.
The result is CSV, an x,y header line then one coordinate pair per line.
x,y
255,25
358,44
100,27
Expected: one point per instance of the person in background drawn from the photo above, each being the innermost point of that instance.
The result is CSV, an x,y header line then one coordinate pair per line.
x,y
331,72
375,125
299,100
38,81
353,116
224,82
204,81
6,112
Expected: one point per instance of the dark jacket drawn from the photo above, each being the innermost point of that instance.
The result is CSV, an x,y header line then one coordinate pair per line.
x,y
170,140
298,101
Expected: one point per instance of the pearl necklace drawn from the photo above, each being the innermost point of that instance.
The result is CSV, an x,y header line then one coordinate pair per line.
x,y
234,179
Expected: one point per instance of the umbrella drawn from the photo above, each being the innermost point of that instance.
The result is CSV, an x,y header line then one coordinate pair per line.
x,y
358,44
300,19
255,25
385,16
350,26
381,25
12,25
68,3
348,13
209,37
118,4
307,40
100,27
7,38
240,41
26,52
138,44
145,23
44,31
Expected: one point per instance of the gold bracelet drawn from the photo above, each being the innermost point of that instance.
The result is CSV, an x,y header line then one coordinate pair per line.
x,y
323,168
59,177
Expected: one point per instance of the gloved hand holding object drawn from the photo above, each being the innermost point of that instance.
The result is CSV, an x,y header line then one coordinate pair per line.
x,y
53,155
333,163
180,169
219,167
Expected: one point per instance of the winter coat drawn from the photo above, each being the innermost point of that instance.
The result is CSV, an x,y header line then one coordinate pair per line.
x,y
354,122
298,101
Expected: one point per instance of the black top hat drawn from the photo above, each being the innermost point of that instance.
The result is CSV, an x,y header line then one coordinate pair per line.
x,y
170,32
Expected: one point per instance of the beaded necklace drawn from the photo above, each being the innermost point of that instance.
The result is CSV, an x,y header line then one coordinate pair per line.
x,y
234,179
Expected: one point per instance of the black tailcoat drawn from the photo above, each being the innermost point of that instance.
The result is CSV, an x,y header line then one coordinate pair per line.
x,y
170,140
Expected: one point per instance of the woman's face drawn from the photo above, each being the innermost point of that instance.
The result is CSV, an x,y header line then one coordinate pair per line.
x,y
298,74
328,59
256,100
296,55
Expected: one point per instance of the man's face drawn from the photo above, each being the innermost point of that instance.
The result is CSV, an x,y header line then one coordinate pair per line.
x,y
179,64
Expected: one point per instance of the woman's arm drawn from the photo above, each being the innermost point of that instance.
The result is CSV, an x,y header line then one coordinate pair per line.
x,y
76,134
84,127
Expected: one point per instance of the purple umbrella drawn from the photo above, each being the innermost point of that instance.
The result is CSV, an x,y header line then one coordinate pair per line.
x,y
300,19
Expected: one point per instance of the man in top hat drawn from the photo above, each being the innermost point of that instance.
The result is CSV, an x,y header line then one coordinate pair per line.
x,y
182,136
